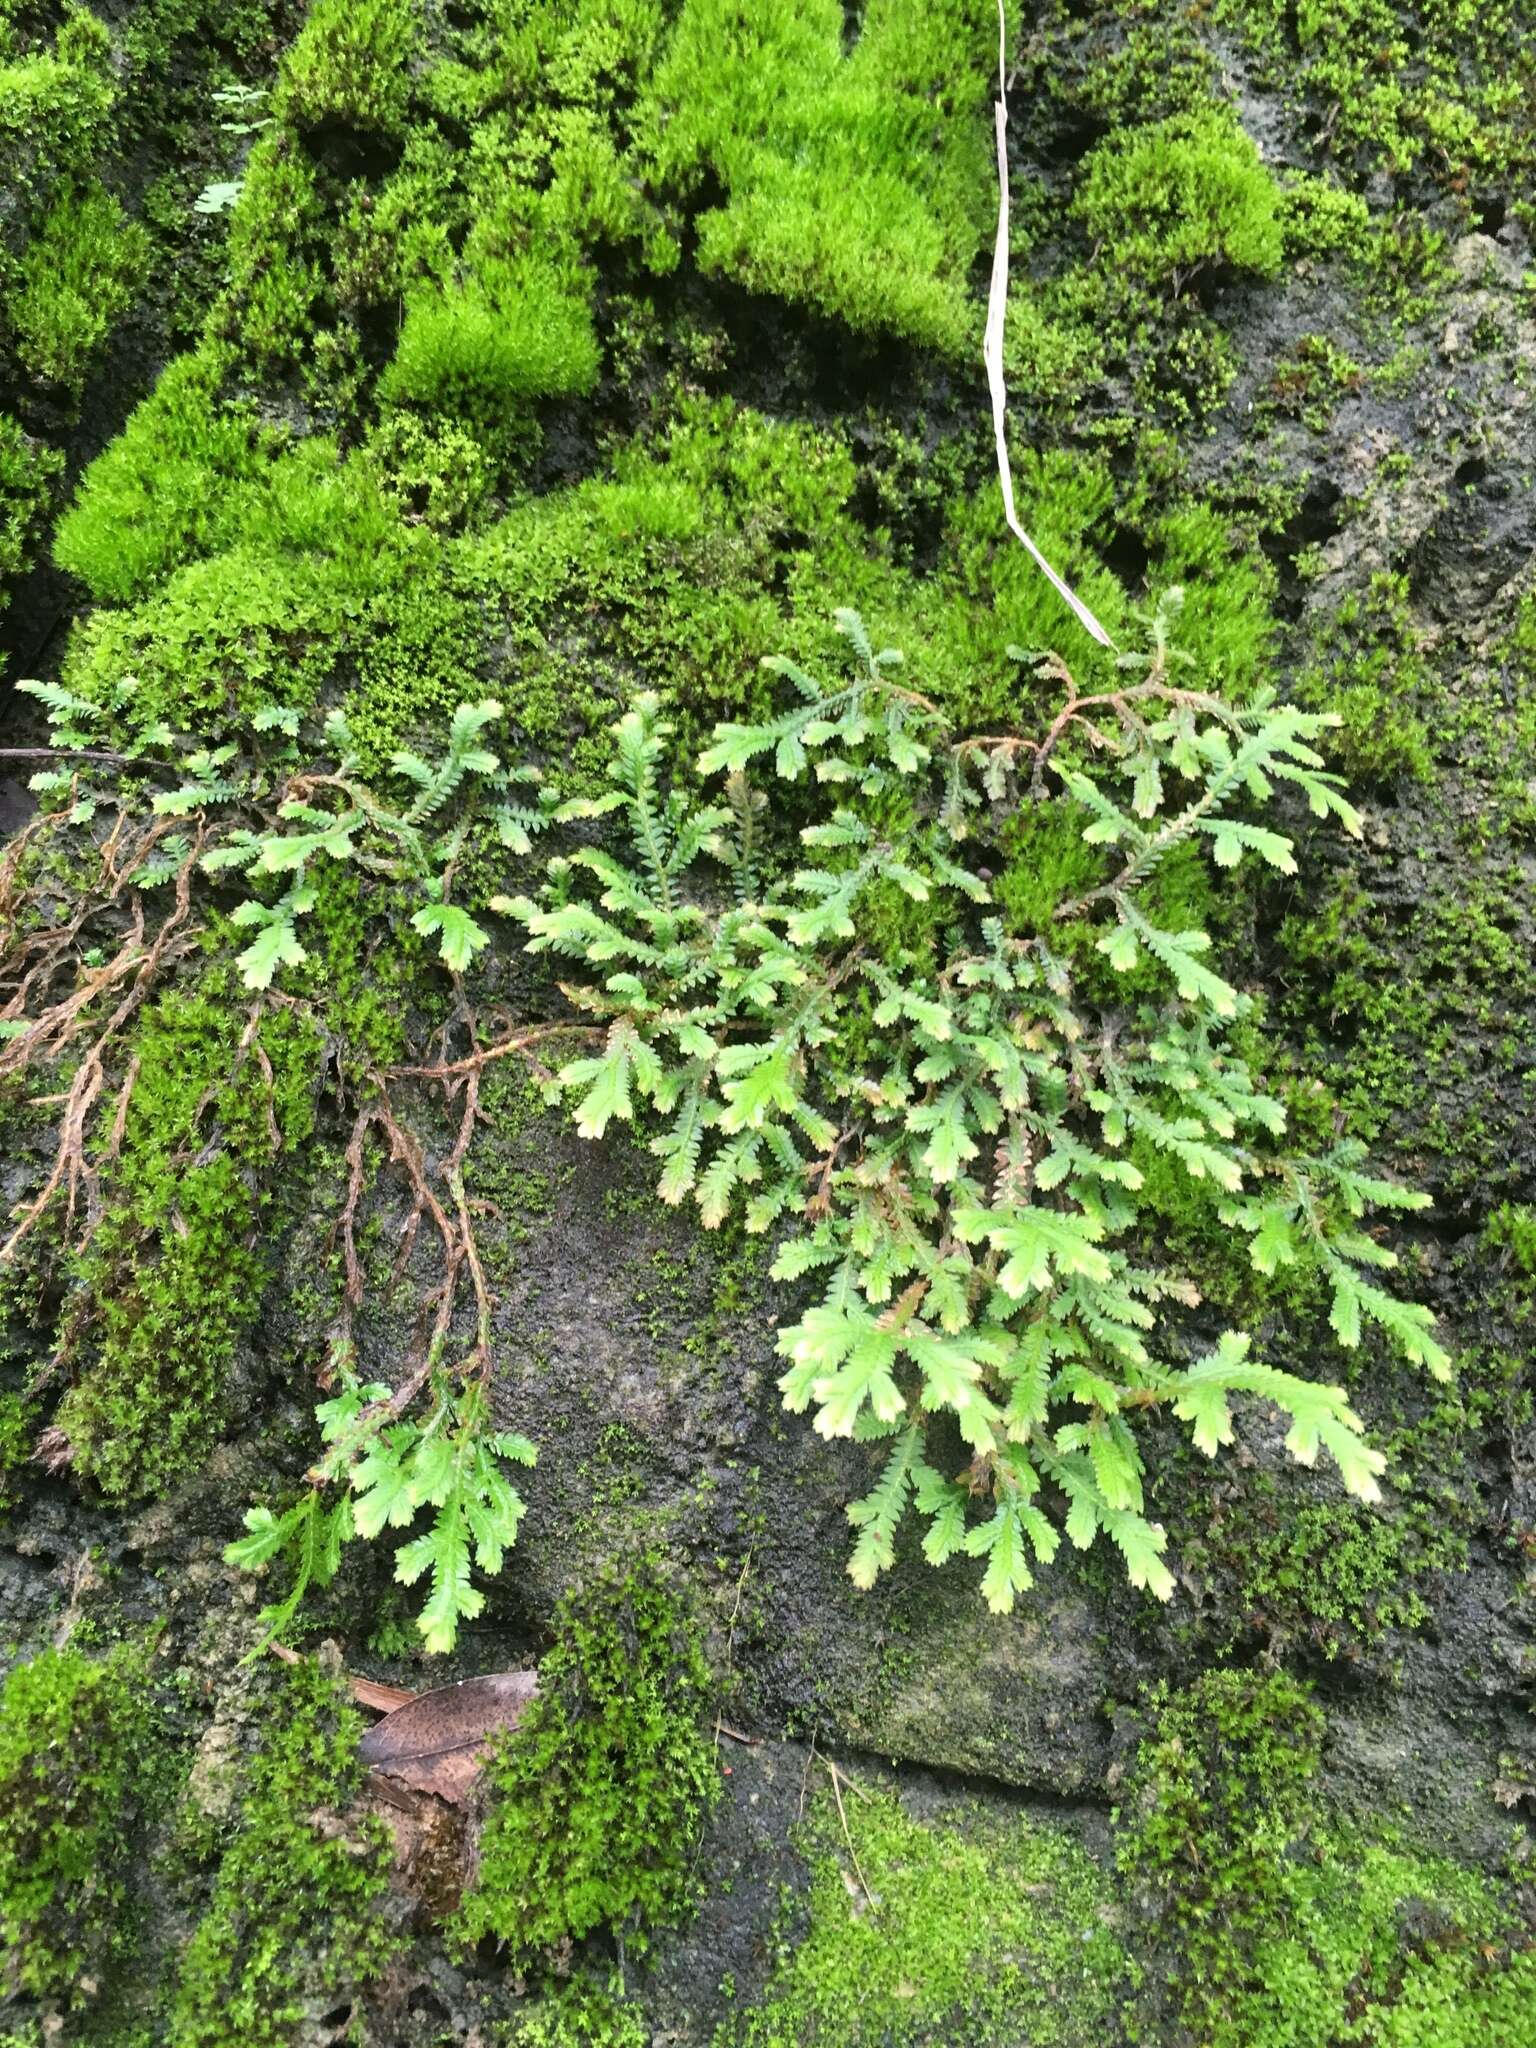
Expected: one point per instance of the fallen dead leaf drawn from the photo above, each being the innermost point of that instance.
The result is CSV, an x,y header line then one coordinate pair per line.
x,y
436,1741
380,1699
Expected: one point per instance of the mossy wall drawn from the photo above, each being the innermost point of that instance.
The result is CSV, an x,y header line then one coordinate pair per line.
x,y
550,352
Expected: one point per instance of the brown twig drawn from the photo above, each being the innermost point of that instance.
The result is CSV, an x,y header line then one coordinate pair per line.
x,y
476,1062
61,754
735,1734
59,1025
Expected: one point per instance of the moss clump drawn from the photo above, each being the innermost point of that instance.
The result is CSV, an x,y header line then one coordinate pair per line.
x,y
1221,1792
1180,197
1442,87
1367,665
352,64
1353,1941
275,275
432,468
194,474
518,333
597,1801
76,279
855,183
295,1926
18,1427
174,1272
218,639
1381,1945
160,491
76,1767
966,1929
55,105
27,471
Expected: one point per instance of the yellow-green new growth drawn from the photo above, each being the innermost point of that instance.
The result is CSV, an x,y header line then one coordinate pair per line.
x,y
964,1181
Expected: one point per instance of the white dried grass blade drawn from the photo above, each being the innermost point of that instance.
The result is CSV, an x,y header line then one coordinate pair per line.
x,y
992,346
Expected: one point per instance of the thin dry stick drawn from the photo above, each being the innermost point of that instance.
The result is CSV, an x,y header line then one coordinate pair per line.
x,y
837,1794
514,1042
805,1779
730,1646
992,343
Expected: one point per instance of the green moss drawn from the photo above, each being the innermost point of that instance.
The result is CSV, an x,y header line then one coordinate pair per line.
x,y
516,334
1443,87
1288,1930
274,269
433,469
1367,665
1310,380
512,1177
306,561
1512,1229
76,279
1155,69
77,1758
857,184
582,2013
18,1429
1413,1951
27,471
598,1799
174,1272
352,64
216,640
423,639
968,1928
1221,1791
162,488
295,1923
296,503
1181,197
1320,218
1334,1576
55,105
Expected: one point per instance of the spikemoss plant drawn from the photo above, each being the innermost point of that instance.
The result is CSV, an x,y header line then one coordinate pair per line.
x,y
964,1182
77,1760
295,1926
597,1801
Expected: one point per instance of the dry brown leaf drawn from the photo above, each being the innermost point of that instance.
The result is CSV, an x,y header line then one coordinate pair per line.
x,y
379,1699
436,1741
368,1692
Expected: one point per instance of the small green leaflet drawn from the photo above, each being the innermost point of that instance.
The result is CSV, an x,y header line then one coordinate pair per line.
x,y
459,937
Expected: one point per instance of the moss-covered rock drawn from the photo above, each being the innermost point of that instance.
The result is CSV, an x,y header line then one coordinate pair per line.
x,y
294,1930
596,1803
78,1765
